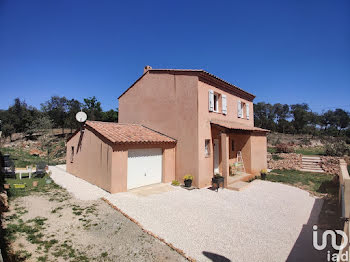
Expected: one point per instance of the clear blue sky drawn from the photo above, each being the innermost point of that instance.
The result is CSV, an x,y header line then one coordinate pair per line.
x,y
281,51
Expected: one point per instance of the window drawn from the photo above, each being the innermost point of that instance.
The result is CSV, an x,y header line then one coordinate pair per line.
x,y
216,102
232,145
72,155
207,147
243,109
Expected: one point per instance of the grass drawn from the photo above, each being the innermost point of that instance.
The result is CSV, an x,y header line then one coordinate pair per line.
x,y
276,157
21,157
314,182
311,151
17,192
271,150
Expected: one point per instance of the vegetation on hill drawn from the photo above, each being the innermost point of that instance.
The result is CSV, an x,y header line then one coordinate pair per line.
x,y
57,112
299,119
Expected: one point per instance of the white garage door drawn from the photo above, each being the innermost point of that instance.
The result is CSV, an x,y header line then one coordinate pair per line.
x,y
144,167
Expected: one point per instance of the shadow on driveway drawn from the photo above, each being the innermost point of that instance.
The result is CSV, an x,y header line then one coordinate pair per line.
x,y
326,215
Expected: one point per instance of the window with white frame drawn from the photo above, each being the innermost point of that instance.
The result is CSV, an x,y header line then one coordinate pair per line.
x,y
207,147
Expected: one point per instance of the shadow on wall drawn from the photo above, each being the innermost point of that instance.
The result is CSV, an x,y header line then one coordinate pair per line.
x,y
215,257
303,249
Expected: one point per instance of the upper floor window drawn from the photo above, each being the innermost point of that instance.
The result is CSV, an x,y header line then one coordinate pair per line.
x,y
217,101
243,109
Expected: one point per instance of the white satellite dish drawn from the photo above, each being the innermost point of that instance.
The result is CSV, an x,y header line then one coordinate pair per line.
x,y
81,117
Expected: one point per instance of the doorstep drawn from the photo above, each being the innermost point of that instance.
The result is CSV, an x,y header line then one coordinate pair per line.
x,y
238,186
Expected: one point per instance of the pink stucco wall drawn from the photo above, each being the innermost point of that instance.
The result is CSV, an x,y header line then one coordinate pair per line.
x,y
92,159
105,165
177,105
168,104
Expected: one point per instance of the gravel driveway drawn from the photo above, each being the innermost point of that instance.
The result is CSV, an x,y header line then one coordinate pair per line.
x,y
262,223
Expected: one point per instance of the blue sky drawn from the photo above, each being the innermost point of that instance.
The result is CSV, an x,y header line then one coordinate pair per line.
x,y
281,51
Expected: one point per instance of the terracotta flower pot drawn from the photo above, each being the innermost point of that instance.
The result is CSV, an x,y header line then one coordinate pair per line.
x,y
35,183
7,186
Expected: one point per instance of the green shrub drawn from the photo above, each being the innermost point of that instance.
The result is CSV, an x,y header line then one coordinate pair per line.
x,y
276,157
284,148
175,183
339,148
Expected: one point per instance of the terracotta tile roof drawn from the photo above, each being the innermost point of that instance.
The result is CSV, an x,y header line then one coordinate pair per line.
x,y
120,133
198,72
237,126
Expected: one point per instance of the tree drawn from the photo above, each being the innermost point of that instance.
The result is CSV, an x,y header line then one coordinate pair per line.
x,y
264,116
56,108
342,119
110,116
301,115
19,115
74,107
282,113
93,108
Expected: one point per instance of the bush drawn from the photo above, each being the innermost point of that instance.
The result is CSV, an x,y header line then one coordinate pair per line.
x,y
284,148
276,157
339,148
175,183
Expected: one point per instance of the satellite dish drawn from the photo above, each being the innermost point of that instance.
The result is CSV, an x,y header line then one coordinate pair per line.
x,y
81,116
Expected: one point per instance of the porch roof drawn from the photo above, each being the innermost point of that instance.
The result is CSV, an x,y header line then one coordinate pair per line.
x,y
236,126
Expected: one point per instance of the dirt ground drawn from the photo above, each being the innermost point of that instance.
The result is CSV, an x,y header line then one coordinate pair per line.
x,y
54,226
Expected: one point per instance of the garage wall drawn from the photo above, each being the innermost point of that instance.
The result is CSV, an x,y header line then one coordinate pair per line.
x,y
120,164
92,159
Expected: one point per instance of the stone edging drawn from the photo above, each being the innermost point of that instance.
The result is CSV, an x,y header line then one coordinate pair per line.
x,y
149,232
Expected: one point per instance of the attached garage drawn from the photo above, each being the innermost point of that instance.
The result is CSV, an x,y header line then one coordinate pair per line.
x,y
118,157
144,167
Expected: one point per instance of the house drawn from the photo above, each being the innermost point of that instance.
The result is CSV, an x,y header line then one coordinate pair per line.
x,y
191,121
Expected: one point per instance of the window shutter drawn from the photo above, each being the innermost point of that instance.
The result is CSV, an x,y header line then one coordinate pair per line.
x,y
211,100
247,107
239,109
224,105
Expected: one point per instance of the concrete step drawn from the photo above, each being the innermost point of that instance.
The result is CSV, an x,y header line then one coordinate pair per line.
x,y
312,170
238,186
311,161
311,157
311,164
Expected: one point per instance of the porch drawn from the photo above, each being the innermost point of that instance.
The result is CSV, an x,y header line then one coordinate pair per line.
x,y
239,151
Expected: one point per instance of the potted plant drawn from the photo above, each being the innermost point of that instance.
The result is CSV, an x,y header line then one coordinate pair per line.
x,y
7,186
217,180
263,174
188,180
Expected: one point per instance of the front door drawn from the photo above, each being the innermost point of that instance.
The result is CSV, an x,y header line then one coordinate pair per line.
x,y
216,156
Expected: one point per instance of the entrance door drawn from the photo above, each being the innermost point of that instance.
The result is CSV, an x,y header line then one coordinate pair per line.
x,y
216,156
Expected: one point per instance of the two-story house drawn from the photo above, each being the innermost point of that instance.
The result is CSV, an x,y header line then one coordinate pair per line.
x,y
202,121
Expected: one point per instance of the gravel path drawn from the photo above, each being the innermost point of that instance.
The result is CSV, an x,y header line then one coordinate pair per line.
x,y
261,223
80,188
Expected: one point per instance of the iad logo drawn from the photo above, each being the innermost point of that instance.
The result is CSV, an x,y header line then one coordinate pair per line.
x,y
341,256
333,239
